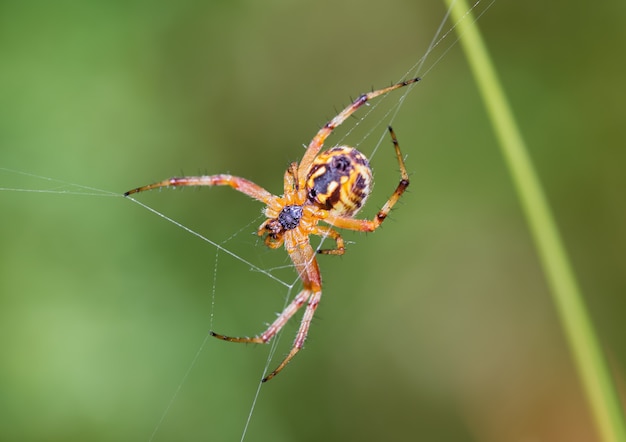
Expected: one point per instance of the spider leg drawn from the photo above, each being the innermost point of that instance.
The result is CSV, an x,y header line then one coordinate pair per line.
x,y
275,327
334,235
303,331
303,257
291,177
365,225
302,297
239,184
318,140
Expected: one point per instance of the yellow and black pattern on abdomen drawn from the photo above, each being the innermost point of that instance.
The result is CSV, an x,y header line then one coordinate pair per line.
x,y
340,180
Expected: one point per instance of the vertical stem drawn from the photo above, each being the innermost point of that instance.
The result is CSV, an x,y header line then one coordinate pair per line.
x,y
583,343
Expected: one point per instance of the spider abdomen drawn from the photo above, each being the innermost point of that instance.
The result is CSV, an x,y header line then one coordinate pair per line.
x,y
340,180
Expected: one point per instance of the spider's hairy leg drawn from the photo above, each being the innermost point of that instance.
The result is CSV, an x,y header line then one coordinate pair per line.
x,y
305,295
318,140
291,178
303,331
240,184
275,327
334,235
365,225
303,257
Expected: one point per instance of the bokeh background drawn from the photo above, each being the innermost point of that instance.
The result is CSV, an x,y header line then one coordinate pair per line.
x,y
437,327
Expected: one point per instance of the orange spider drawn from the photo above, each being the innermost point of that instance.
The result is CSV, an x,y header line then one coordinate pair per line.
x,y
330,186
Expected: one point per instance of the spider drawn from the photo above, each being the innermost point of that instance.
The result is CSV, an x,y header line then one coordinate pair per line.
x,y
330,186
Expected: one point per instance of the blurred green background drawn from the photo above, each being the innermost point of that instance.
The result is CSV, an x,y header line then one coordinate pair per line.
x,y
437,327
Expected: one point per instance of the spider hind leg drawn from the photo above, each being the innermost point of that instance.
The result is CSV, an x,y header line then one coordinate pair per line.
x,y
335,236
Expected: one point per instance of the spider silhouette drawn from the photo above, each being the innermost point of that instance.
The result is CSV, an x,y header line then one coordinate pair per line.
x,y
331,187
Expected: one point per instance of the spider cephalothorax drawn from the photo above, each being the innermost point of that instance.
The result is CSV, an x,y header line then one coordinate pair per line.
x,y
331,187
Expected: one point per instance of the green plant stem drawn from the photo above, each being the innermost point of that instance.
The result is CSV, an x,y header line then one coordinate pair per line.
x,y
591,364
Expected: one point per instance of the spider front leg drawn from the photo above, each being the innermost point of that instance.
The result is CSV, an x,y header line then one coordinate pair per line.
x,y
318,140
364,225
242,185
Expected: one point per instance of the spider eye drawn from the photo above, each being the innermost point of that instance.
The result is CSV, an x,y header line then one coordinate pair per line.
x,y
340,180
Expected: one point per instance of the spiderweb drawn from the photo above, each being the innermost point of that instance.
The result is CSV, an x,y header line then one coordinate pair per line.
x,y
200,269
